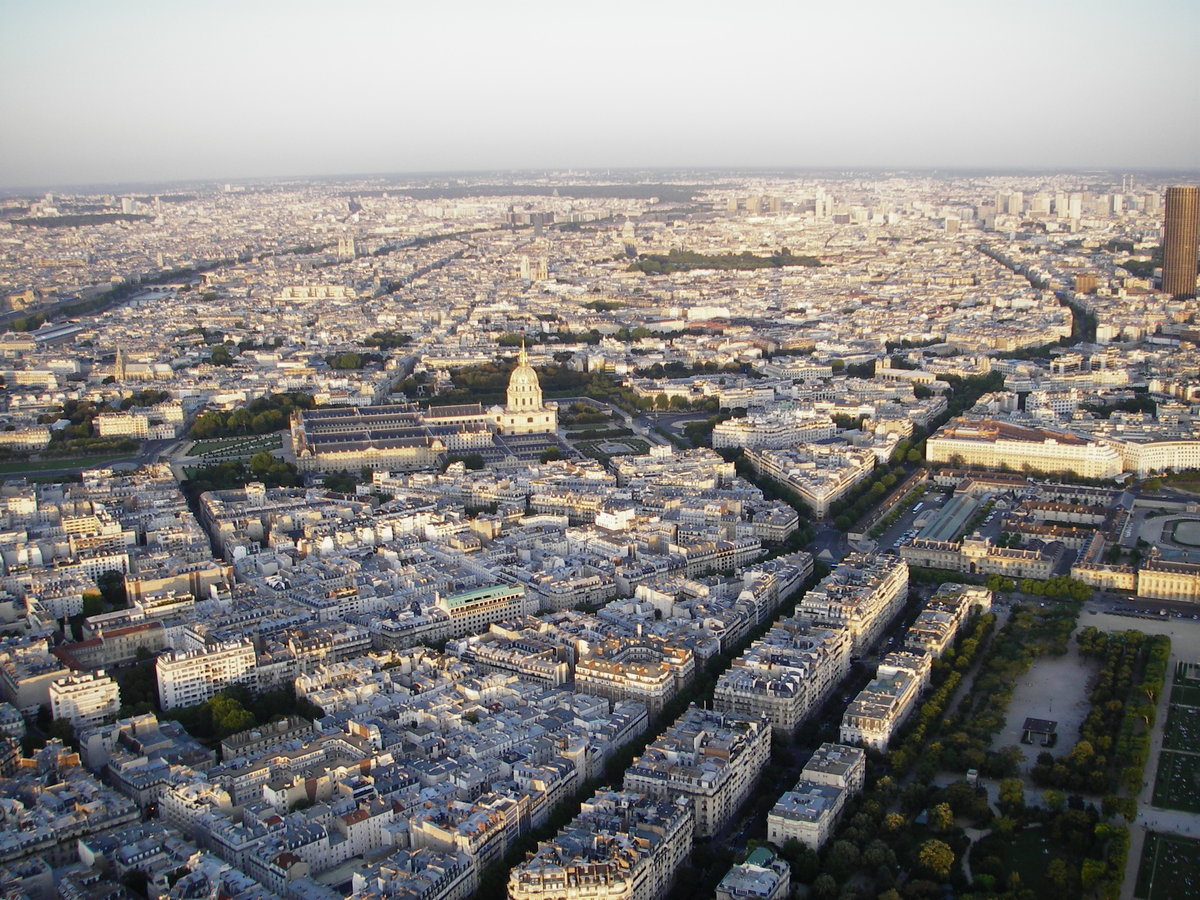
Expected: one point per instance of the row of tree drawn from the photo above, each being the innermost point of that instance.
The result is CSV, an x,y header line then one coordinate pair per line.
x,y
1113,740
236,473
865,496
260,416
679,260
882,847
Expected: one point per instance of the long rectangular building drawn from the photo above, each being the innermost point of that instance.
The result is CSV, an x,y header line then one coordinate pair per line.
x,y
787,675
621,846
993,444
193,676
395,437
713,758
864,593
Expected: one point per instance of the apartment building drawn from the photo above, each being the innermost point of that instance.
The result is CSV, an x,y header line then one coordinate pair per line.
x,y
775,429
808,812
939,622
85,699
188,677
621,846
713,758
820,474
863,594
472,611
763,876
882,706
787,675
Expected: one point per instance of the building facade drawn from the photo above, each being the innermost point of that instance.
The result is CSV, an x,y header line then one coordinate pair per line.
x,y
993,444
193,676
85,699
712,758
621,846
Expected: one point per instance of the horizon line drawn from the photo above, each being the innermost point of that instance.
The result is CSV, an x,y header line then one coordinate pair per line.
x,y
593,171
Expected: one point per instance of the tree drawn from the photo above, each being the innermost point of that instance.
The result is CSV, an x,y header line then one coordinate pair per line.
x,y
791,850
1012,795
1057,875
941,817
472,461
228,715
936,857
345,360
388,340
843,860
1090,873
93,603
807,865
877,854
63,730
825,887
112,589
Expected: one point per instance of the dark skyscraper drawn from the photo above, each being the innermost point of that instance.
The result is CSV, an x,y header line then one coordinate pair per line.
x,y
1181,241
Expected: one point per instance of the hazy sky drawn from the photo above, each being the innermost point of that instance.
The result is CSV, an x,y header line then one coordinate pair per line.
x,y
117,90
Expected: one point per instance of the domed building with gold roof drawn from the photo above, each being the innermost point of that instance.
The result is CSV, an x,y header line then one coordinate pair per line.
x,y
403,437
524,412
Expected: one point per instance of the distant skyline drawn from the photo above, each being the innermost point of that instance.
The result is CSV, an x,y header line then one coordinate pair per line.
x,y
127,91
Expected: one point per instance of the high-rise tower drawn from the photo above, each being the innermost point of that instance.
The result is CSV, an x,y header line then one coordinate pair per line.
x,y
1181,241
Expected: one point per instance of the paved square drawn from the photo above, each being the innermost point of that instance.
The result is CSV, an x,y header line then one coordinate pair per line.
x,y
1054,688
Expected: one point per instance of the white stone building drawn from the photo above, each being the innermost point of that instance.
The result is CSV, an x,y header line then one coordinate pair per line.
x,y
85,699
193,676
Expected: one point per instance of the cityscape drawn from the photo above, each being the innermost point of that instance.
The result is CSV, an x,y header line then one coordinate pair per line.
x,y
633,530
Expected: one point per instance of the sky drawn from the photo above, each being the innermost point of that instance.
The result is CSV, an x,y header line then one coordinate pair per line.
x,y
124,90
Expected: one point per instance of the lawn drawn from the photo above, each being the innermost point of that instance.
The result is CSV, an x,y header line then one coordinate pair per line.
x,y
1187,673
1183,481
66,462
1030,853
1182,731
232,448
1027,852
1185,695
595,448
1169,869
1177,782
